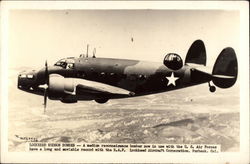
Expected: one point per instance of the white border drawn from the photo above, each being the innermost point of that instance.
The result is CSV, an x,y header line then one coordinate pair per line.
x,y
240,157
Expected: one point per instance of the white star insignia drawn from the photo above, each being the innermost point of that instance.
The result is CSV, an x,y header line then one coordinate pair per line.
x,y
172,79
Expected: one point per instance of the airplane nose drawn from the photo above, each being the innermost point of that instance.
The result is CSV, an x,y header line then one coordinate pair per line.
x,y
26,79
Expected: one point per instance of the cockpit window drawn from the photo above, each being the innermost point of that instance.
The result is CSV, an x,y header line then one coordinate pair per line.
x,y
61,63
66,63
30,76
70,66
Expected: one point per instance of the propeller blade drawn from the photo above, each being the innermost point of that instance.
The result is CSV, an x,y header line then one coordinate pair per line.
x,y
46,76
46,73
45,99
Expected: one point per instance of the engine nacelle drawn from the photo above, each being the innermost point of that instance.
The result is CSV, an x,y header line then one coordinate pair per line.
x,y
63,89
173,61
59,84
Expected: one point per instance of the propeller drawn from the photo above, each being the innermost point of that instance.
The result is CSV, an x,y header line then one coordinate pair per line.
x,y
45,99
94,51
46,77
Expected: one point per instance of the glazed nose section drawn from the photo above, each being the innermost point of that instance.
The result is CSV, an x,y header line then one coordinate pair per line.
x,y
26,80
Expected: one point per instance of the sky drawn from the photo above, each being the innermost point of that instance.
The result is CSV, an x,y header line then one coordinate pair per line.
x,y
39,35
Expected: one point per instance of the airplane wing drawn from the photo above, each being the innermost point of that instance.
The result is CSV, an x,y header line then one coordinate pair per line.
x,y
93,87
75,86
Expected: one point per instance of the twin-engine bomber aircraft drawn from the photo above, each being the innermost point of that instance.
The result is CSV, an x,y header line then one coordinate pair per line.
x,y
101,79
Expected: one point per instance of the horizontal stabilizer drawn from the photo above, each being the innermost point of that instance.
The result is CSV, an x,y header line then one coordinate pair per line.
x,y
223,76
202,68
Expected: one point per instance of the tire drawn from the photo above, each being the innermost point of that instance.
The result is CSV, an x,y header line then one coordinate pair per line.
x,y
212,88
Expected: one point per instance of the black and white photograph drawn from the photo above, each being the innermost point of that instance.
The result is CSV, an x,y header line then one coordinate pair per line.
x,y
126,75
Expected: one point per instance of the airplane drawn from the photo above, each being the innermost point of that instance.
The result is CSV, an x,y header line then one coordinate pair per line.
x,y
75,79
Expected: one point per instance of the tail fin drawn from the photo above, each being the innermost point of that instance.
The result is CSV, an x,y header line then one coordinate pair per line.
x,y
197,53
225,69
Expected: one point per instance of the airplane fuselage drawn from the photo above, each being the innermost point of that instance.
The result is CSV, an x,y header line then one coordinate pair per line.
x,y
100,79
138,77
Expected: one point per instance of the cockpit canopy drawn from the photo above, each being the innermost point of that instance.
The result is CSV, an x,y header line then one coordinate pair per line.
x,y
66,63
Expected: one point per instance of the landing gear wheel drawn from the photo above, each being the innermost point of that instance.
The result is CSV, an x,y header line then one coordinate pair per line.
x,y
101,101
212,88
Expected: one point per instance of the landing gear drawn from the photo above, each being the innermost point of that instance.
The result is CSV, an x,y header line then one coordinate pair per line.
x,y
211,87
101,101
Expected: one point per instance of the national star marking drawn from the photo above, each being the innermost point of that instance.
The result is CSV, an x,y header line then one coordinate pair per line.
x,y
172,79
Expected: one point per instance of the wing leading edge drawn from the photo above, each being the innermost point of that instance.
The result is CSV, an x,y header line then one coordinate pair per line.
x,y
72,86
93,87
